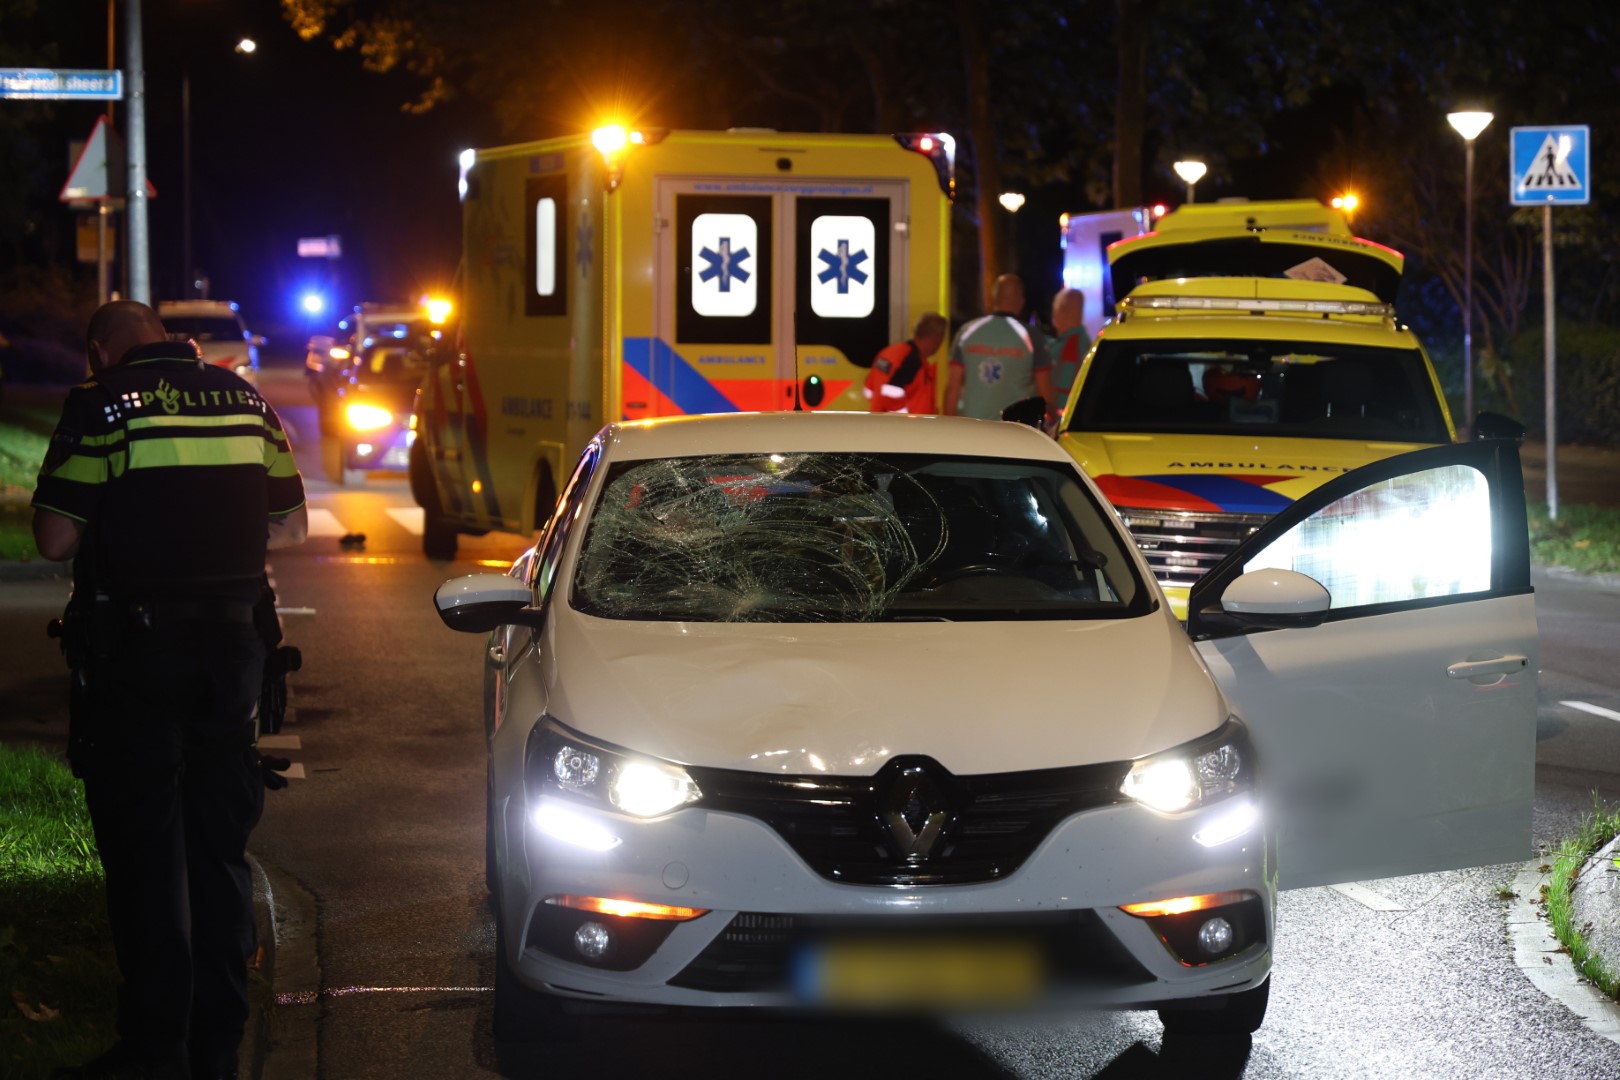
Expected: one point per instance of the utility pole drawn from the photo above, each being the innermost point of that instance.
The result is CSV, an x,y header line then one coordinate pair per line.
x,y
138,259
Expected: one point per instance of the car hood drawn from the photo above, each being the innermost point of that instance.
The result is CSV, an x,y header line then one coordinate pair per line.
x,y
1217,474
804,699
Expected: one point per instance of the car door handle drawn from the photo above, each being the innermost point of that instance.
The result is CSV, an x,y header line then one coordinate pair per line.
x,y
1502,665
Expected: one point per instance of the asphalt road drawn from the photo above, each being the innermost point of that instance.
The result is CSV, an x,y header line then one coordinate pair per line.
x,y
385,830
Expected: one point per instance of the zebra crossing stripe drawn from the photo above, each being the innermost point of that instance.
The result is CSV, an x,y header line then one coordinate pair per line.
x,y
325,523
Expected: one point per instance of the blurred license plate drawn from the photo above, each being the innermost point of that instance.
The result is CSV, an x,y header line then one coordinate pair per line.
x,y
922,973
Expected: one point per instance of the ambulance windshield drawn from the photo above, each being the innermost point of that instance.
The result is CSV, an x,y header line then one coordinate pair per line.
x,y
846,537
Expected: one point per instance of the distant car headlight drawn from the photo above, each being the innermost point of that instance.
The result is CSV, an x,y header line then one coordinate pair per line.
x,y
560,762
1201,772
337,352
364,417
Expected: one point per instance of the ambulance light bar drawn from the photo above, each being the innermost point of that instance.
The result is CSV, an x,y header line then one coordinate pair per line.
x,y
938,147
1231,303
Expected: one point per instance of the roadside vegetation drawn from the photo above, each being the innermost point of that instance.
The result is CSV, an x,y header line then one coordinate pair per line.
x,y
1597,829
57,969
25,429
1584,538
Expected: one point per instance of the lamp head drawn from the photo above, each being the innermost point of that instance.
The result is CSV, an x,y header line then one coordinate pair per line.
x,y
1190,171
1470,124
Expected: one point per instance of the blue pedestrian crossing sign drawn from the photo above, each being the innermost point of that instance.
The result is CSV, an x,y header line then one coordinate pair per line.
x,y
1551,165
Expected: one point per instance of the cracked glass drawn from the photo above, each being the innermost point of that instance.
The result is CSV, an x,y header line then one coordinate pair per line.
x,y
849,537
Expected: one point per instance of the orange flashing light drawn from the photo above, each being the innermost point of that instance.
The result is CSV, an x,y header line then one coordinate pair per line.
x,y
632,909
1183,904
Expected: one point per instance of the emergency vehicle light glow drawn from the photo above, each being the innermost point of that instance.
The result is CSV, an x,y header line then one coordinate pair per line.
x,y
610,139
1232,303
634,909
1182,904
363,417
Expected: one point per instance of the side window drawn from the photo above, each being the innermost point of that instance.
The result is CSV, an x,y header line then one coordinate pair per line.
x,y
1412,537
841,291
723,272
543,569
545,245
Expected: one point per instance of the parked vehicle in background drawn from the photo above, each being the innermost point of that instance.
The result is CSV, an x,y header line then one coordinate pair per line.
x,y
221,336
1247,365
329,358
373,409
640,274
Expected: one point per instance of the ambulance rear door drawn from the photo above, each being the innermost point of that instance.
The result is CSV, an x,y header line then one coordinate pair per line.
x,y
767,288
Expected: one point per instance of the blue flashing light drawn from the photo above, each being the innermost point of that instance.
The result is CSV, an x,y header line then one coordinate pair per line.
x,y
314,303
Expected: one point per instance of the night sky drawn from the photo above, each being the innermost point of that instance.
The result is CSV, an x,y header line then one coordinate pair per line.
x,y
293,140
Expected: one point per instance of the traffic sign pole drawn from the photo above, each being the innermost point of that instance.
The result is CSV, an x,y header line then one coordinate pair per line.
x,y
1550,358
138,261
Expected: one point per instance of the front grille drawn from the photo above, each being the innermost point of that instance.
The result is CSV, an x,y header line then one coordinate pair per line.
x,y
844,827
758,953
1181,546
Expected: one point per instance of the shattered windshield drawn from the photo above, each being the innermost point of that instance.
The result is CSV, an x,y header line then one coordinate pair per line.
x,y
846,537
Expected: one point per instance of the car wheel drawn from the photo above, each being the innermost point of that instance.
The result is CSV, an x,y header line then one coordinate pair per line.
x,y
522,1013
1241,1013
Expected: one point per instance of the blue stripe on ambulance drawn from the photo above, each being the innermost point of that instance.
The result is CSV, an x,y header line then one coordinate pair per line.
x,y
682,384
1229,493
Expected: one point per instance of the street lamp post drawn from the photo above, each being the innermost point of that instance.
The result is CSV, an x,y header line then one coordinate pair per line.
x,y
1468,125
1191,172
246,46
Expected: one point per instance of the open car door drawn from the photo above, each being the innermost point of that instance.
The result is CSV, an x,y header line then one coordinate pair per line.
x,y
1393,714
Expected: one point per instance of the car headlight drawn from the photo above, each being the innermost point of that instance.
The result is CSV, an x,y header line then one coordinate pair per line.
x,y
363,417
561,762
1200,772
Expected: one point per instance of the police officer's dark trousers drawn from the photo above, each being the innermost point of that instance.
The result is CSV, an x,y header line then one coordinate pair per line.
x,y
174,789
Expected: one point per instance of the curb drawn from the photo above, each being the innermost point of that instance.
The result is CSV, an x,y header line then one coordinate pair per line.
x,y
34,570
1547,965
280,1040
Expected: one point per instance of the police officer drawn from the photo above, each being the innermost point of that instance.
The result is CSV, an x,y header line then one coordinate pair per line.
x,y
165,481
996,360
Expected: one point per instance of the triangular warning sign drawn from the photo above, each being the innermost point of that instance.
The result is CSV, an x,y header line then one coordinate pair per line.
x,y
1550,170
99,173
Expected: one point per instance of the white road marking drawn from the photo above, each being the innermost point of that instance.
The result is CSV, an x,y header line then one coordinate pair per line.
x,y
295,611
325,523
1595,710
1366,897
280,742
409,517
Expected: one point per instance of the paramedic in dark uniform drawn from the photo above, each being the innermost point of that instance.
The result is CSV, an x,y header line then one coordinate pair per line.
x,y
165,481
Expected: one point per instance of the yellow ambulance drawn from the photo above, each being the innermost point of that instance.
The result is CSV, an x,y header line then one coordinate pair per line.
x,y
637,274
1255,355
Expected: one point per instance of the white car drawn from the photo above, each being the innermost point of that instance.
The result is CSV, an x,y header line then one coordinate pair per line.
x,y
887,711
217,329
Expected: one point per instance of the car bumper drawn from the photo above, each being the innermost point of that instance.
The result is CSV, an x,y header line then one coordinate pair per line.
x,y
1063,901
387,450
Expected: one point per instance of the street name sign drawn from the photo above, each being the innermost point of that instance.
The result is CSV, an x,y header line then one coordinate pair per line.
x,y
61,84
1551,165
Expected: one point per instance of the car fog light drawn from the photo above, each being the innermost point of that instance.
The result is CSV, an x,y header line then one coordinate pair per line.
x,y
593,940
573,828
1214,937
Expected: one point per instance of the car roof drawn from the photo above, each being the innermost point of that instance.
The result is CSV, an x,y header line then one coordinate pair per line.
x,y
834,432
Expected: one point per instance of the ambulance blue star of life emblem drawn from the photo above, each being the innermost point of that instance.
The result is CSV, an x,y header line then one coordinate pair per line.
x,y
724,264
843,266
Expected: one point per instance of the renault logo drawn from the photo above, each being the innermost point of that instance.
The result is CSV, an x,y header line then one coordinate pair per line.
x,y
915,813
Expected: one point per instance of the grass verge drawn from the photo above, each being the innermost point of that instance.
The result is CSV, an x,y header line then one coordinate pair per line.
x,y
1584,538
57,969
25,430
1596,829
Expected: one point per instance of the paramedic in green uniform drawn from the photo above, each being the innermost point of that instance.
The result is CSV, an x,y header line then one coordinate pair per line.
x,y
1070,345
997,360
165,481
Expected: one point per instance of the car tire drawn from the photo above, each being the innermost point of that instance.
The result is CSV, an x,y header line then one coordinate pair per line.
x,y
439,533
439,537
522,1013
1241,1013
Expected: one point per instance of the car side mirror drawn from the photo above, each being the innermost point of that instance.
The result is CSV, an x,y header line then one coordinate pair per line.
x,y
1273,599
1491,425
478,603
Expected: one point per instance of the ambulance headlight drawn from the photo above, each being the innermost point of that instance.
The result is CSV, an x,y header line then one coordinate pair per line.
x,y
1200,772
561,762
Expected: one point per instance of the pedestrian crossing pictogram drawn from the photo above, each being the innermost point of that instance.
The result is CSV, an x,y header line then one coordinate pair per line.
x,y
1551,165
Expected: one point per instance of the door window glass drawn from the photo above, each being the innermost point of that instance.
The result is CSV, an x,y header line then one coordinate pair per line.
x,y
842,275
545,246
569,507
723,272
1412,537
